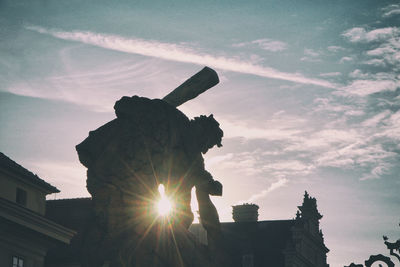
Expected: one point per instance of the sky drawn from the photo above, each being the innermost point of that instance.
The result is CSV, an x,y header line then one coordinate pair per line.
x,y
309,98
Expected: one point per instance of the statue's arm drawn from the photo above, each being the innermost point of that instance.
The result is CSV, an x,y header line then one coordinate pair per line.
x,y
204,181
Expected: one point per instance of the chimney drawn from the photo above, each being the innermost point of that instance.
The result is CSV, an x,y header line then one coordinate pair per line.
x,y
245,213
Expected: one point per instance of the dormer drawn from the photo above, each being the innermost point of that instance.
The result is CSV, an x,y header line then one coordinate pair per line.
x,y
21,186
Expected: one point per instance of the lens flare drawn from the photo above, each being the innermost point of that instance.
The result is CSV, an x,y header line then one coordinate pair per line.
x,y
164,205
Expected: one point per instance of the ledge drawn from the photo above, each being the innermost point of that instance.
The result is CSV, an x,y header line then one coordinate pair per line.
x,y
33,221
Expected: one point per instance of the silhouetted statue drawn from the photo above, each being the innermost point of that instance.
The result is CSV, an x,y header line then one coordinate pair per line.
x,y
148,144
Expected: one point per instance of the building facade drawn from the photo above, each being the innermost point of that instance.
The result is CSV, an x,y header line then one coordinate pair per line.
x,y
25,233
282,243
37,233
250,243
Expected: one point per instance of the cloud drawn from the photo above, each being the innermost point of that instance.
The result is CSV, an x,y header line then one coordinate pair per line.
x,y
279,127
373,121
377,172
311,56
330,74
175,52
310,59
362,153
391,10
265,44
336,107
380,51
358,74
288,166
375,62
280,183
217,159
367,87
334,48
354,137
359,34
310,52
271,45
345,59
323,140
96,88
388,52
391,127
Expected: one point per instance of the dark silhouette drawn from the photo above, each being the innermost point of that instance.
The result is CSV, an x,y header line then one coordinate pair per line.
x,y
392,247
377,258
249,242
374,258
148,144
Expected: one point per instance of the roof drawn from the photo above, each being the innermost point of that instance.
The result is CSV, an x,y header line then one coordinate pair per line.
x,y
266,240
25,224
74,213
15,168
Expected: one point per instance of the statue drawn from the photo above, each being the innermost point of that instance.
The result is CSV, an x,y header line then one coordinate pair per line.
x,y
150,143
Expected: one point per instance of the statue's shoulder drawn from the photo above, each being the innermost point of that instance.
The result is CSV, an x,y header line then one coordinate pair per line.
x,y
128,106
132,107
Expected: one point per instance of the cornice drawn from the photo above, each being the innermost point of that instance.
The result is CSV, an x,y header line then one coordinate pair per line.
x,y
33,221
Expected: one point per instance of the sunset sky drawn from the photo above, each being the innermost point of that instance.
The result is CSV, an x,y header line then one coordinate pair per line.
x,y
309,98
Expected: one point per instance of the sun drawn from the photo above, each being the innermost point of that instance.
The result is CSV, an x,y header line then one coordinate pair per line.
x,y
164,204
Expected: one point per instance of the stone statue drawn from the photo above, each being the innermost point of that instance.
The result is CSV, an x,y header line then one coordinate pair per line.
x,y
150,143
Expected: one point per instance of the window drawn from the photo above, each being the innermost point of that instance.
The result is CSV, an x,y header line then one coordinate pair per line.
x,y
248,260
21,196
17,261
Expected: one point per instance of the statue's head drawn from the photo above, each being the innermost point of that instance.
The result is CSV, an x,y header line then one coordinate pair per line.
x,y
208,132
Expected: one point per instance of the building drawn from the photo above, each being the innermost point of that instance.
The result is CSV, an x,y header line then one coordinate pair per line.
x,y
25,233
282,243
35,232
74,214
251,243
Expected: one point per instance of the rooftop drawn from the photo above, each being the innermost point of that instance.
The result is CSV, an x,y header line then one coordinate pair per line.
x,y
11,166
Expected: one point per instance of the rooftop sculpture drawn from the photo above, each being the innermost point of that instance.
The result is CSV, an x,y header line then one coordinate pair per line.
x,y
391,246
152,143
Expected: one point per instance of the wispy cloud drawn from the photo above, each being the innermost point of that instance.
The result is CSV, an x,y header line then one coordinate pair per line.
x,y
367,87
359,34
375,62
388,52
96,88
391,10
311,55
311,52
384,44
280,183
265,44
391,128
335,48
175,52
375,120
383,51
330,74
279,127
378,171
327,105
358,74
345,59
